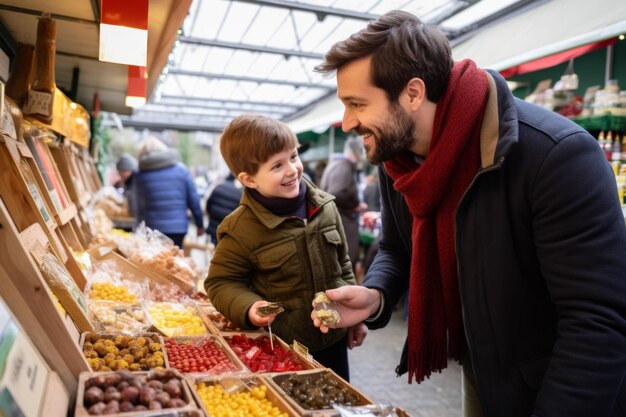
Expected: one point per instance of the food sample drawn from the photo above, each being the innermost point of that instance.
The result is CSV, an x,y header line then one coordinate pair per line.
x,y
325,309
269,309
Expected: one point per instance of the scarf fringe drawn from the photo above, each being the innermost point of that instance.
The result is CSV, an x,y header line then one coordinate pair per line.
x,y
431,358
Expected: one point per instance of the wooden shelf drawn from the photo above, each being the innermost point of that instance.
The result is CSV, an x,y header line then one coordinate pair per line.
x,y
27,295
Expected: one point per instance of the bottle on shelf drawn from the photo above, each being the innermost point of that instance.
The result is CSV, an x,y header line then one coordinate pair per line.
x,y
41,95
608,146
22,74
16,89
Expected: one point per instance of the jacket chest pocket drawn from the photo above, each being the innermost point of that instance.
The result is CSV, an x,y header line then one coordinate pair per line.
x,y
331,241
275,264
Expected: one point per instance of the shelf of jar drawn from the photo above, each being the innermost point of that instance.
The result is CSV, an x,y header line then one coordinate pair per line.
x,y
606,122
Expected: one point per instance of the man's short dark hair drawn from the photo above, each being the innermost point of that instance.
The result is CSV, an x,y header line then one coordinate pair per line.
x,y
402,47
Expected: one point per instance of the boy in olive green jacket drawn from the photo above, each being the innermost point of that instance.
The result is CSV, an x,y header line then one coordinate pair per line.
x,y
284,242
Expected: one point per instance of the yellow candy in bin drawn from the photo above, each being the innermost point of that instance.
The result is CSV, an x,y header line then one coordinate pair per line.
x,y
174,319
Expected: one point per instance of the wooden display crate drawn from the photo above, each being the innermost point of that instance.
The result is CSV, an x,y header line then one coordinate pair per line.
x,y
300,359
245,381
215,341
314,377
188,410
130,270
27,295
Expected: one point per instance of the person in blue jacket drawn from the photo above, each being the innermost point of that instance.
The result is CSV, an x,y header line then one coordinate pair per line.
x,y
500,217
164,191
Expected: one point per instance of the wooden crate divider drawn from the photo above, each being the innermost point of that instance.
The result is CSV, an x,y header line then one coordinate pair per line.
x,y
26,293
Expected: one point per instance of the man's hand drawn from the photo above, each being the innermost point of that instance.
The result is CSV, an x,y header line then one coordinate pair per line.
x,y
354,304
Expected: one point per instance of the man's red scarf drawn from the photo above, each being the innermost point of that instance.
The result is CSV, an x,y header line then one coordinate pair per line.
x,y
432,192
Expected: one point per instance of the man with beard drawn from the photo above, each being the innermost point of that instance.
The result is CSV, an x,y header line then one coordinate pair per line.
x,y
502,220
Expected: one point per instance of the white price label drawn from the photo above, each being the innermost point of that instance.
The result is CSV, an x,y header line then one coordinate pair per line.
x,y
7,127
39,103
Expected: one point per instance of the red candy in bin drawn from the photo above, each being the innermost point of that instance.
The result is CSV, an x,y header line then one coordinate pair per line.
x,y
258,355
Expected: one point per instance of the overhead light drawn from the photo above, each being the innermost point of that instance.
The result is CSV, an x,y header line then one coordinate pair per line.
x,y
124,32
137,88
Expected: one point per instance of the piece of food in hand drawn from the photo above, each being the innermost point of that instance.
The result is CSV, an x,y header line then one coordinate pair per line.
x,y
269,309
325,309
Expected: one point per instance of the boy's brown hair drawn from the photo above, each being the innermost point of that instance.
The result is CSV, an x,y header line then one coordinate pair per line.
x,y
250,140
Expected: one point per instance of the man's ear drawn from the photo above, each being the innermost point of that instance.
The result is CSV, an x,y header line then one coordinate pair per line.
x,y
415,91
246,179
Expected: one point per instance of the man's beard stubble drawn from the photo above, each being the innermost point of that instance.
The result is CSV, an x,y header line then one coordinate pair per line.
x,y
396,135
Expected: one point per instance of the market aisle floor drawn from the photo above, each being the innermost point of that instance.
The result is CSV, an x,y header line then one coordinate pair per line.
x,y
372,371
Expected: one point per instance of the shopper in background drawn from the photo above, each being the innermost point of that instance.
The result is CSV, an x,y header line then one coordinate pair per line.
x,y
164,190
502,219
371,192
222,201
126,166
340,179
283,244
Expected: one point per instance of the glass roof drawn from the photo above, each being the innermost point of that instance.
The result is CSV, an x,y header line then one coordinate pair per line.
x,y
243,56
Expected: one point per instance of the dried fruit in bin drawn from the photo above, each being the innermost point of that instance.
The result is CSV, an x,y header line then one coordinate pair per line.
x,y
116,317
172,292
318,391
220,322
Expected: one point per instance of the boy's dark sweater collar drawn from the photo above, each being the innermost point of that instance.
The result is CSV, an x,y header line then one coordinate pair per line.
x,y
284,207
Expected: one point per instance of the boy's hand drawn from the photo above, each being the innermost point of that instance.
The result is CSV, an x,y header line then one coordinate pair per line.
x,y
255,318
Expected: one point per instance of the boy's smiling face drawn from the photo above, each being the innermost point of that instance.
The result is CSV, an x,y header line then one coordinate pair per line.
x,y
278,177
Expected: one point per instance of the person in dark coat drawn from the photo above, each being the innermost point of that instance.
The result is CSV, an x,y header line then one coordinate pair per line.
x,y
224,198
371,192
164,191
500,217
126,166
340,179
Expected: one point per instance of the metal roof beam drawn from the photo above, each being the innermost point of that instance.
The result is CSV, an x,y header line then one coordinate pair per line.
x,y
461,6
171,124
504,13
247,47
231,113
220,100
320,11
246,78
222,107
